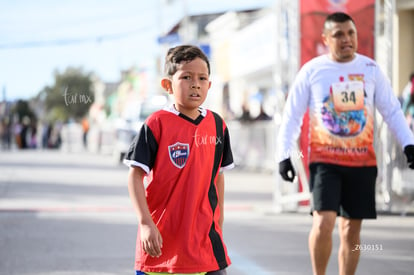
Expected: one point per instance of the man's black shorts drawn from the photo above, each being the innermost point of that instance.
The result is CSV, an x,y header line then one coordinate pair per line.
x,y
350,191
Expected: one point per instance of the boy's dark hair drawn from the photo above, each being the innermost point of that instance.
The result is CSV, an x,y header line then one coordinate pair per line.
x,y
337,17
182,53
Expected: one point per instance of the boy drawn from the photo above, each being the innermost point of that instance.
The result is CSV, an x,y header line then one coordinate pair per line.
x,y
182,150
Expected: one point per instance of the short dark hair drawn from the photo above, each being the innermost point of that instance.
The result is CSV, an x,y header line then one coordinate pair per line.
x,y
337,17
185,53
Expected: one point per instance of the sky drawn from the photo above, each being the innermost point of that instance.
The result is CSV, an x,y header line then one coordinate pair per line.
x,y
38,38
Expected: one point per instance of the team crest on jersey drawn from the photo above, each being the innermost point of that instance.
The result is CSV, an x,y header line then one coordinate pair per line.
x,y
178,153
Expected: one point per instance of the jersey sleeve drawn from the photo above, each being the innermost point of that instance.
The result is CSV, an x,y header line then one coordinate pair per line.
x,y
227,162
390,109
143,150
294,110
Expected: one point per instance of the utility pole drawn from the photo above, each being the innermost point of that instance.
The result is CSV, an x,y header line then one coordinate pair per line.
x,y
4,93
186,23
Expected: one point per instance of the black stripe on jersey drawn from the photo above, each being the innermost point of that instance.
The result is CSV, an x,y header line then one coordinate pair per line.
x,y
216,242
144,147
227,154
218,247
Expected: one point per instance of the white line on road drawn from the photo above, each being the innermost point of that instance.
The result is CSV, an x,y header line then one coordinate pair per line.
x,y
245,265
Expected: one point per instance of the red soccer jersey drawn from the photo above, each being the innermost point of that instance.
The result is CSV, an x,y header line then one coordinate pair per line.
x,y
181,194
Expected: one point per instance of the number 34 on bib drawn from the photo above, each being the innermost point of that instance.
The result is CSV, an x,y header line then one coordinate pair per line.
x,y
348,96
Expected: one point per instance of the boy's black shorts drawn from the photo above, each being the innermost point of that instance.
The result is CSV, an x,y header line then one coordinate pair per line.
x,y
350,191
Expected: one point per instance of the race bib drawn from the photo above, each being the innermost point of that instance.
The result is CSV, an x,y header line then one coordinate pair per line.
x,y
348,96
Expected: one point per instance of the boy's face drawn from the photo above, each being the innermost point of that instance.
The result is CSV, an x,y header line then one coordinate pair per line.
x,y
341,38
189,86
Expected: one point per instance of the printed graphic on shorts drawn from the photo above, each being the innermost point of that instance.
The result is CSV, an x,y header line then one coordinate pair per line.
x,y
344,127
179,153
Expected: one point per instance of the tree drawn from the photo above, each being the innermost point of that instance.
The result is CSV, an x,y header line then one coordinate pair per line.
x,y
22,109
70,96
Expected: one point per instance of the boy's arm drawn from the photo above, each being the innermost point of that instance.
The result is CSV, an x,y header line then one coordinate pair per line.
x,y
220,192
151,239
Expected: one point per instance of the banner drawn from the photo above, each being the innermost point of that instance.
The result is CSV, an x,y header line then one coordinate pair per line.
x,y
313,14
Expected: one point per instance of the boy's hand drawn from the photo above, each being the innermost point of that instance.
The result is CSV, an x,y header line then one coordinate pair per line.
x,y
286,170
151,239
409,152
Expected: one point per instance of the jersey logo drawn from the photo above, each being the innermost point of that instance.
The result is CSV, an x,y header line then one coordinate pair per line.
x,y
178,153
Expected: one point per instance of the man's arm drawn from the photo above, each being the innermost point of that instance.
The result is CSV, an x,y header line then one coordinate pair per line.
x,y
151,239
390,110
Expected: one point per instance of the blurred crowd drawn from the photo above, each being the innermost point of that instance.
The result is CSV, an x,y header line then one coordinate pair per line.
x,y
29,134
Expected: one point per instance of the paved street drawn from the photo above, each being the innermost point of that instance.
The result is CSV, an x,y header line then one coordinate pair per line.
x,y
64,213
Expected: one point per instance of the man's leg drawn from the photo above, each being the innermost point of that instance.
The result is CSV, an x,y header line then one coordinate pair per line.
x,y
320,240
348,256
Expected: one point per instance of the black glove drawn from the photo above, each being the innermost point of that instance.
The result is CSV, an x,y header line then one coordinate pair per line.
x,y
285,166
409,152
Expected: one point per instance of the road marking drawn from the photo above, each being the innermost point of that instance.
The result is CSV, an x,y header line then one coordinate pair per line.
x,y
64,209
246,265
95,208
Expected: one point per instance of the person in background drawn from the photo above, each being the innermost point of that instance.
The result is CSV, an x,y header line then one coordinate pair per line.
x,y
263,115
24,137
33,134
341,90
6,133
408,102
245,116
85,130
181,151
